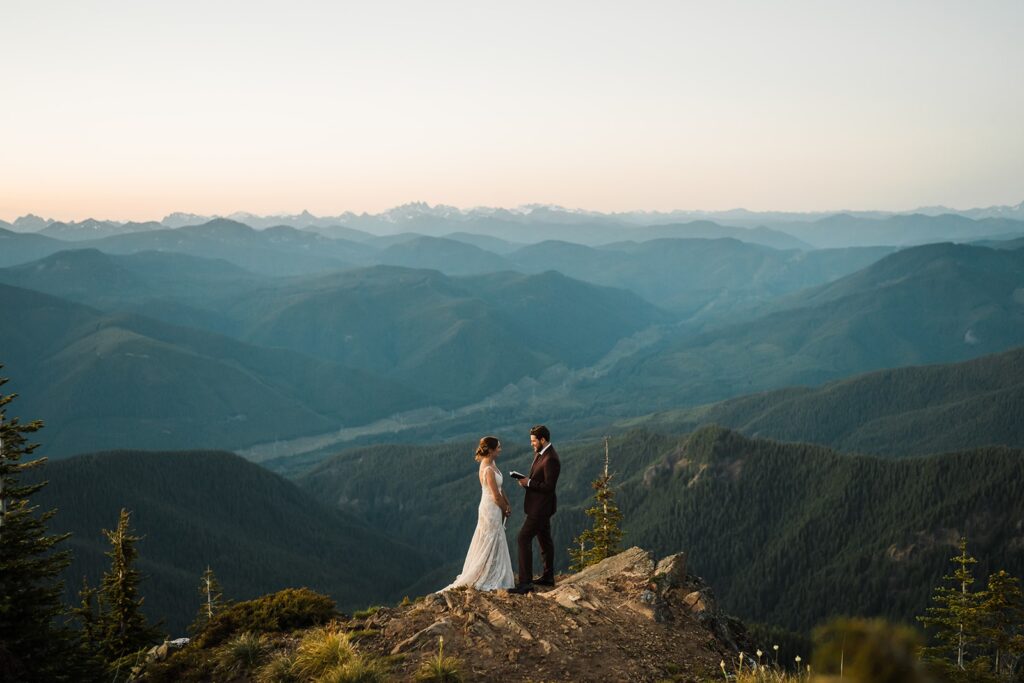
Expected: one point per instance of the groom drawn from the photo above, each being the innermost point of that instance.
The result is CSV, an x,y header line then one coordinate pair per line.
x,y
539,504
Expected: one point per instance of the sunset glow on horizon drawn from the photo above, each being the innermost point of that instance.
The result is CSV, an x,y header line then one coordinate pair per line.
x,y
130,111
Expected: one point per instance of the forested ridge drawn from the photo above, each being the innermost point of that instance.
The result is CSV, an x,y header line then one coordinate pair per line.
x,y
787,533
199,509
904,411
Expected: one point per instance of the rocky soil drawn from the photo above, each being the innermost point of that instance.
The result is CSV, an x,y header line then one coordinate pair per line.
x,y
625,619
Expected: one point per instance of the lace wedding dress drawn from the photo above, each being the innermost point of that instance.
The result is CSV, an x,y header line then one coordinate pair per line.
x,y
488,565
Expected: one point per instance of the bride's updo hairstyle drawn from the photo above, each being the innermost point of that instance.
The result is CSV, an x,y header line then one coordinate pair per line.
x,y
487,445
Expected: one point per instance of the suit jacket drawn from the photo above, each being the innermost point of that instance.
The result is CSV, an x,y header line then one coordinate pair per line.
x,y
540,499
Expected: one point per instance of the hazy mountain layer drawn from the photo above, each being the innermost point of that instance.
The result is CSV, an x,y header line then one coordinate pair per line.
x,y
845,230
453,339
705,279
931,304
118,380
906,411
697,277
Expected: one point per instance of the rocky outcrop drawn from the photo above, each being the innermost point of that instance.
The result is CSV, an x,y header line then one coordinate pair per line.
x,y
626,618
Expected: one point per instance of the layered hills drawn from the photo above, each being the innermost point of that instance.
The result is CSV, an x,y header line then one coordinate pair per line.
x,y
845,229
449,340
115,380
904,411
455,339
697,277
431,340
930,304
678,270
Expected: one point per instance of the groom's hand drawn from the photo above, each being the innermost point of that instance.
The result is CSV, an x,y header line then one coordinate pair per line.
x,y
524,482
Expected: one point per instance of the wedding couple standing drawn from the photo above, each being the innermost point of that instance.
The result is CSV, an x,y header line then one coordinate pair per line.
x,y
488,565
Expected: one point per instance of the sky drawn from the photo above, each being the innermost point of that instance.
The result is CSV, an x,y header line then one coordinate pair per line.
x,y
130,110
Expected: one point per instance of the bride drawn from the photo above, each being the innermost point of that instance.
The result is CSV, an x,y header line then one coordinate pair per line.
x,y
488,565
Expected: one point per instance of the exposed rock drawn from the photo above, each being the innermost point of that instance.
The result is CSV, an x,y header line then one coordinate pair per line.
x,y
696,602
499,619
157,653
441,627
670,572
632,562
626,618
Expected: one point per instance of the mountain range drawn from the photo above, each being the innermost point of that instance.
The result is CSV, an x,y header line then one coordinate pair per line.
x,y
537,223
930,304
116,380
365,362
265,359
423,338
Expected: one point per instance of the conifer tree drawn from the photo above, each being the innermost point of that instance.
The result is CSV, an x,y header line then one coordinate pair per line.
x,y
122,626
32,645
956,617
603,538
212,600
88,614
1003,620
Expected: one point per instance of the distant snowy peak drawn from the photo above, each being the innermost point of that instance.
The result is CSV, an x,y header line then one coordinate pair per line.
x,y
415,214
1015,212
31,223
180,220
416,210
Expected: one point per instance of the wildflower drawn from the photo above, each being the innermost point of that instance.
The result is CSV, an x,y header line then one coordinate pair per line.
x,y
798,660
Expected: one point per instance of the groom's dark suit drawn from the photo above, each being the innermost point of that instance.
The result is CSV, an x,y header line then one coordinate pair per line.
x,y
539,504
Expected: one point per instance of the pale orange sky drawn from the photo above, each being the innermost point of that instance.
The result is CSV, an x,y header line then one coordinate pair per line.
x,y
128,110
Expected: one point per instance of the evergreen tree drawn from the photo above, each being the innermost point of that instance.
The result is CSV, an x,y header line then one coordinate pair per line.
x,y
1003,621
32,645
122,626
88,614
603,538
956,617
212,600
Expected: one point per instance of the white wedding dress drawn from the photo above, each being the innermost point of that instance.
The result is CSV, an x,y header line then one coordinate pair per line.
x,y
488,565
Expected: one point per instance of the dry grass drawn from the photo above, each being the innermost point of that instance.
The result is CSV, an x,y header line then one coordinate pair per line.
x,y
322,650
440,669
242,653
356,670
280,669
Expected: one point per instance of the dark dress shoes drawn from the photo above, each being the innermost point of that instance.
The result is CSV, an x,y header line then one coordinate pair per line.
x,y
521,589
545,581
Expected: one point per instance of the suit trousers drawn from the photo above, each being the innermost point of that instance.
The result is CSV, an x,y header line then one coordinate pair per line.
x,y
541,528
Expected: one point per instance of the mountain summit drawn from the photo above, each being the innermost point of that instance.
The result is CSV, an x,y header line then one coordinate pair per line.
x,y
625,618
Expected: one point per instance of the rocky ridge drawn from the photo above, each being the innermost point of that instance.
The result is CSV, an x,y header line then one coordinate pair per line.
x,y
627,618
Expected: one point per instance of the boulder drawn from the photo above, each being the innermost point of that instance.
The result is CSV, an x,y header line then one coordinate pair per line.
x,y
670,573
635,561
